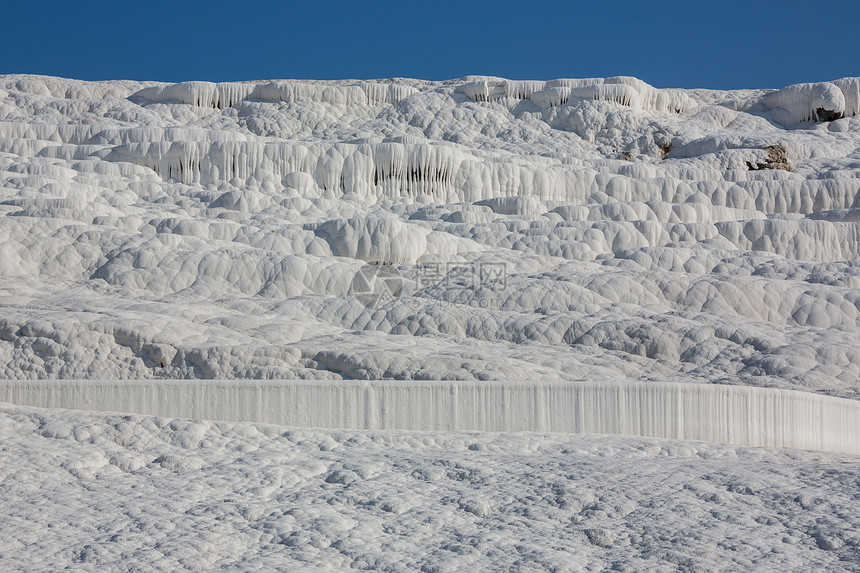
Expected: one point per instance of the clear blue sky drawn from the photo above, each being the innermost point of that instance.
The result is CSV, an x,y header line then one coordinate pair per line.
x,y
716,44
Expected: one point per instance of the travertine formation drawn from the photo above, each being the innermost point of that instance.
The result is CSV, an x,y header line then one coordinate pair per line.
x,y
569,229
624,245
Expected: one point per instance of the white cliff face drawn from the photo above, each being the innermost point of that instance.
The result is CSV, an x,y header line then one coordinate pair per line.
x,y
719,413
563,229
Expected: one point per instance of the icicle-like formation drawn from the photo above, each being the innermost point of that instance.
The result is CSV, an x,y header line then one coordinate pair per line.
x,y
573,82
619,93
378,93
391,170
673,101
553,97
483,90
851,91
439,173
202,94
708,412
522,89
297,91
224,95
627,91
823,101
444,173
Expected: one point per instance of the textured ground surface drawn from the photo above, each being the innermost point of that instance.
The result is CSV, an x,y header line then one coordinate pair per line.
x,y
472,229
554,230
108,492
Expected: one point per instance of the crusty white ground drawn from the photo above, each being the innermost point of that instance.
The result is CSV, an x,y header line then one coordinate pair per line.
x,y
103,492
197,230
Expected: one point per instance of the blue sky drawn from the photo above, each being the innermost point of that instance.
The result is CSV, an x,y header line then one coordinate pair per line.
x,y
725,44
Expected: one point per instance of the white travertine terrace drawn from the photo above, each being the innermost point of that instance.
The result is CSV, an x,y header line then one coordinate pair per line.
x,y
719,413
209,230
424,263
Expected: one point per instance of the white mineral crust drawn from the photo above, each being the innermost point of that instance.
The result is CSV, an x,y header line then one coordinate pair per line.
x,y
651,246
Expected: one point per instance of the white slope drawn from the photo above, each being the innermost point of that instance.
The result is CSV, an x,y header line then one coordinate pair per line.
x,y
476,229
202,230
96,492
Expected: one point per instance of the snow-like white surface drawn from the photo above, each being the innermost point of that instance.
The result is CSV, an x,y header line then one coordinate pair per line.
x,y
97,492
711,412
202,230
476,229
